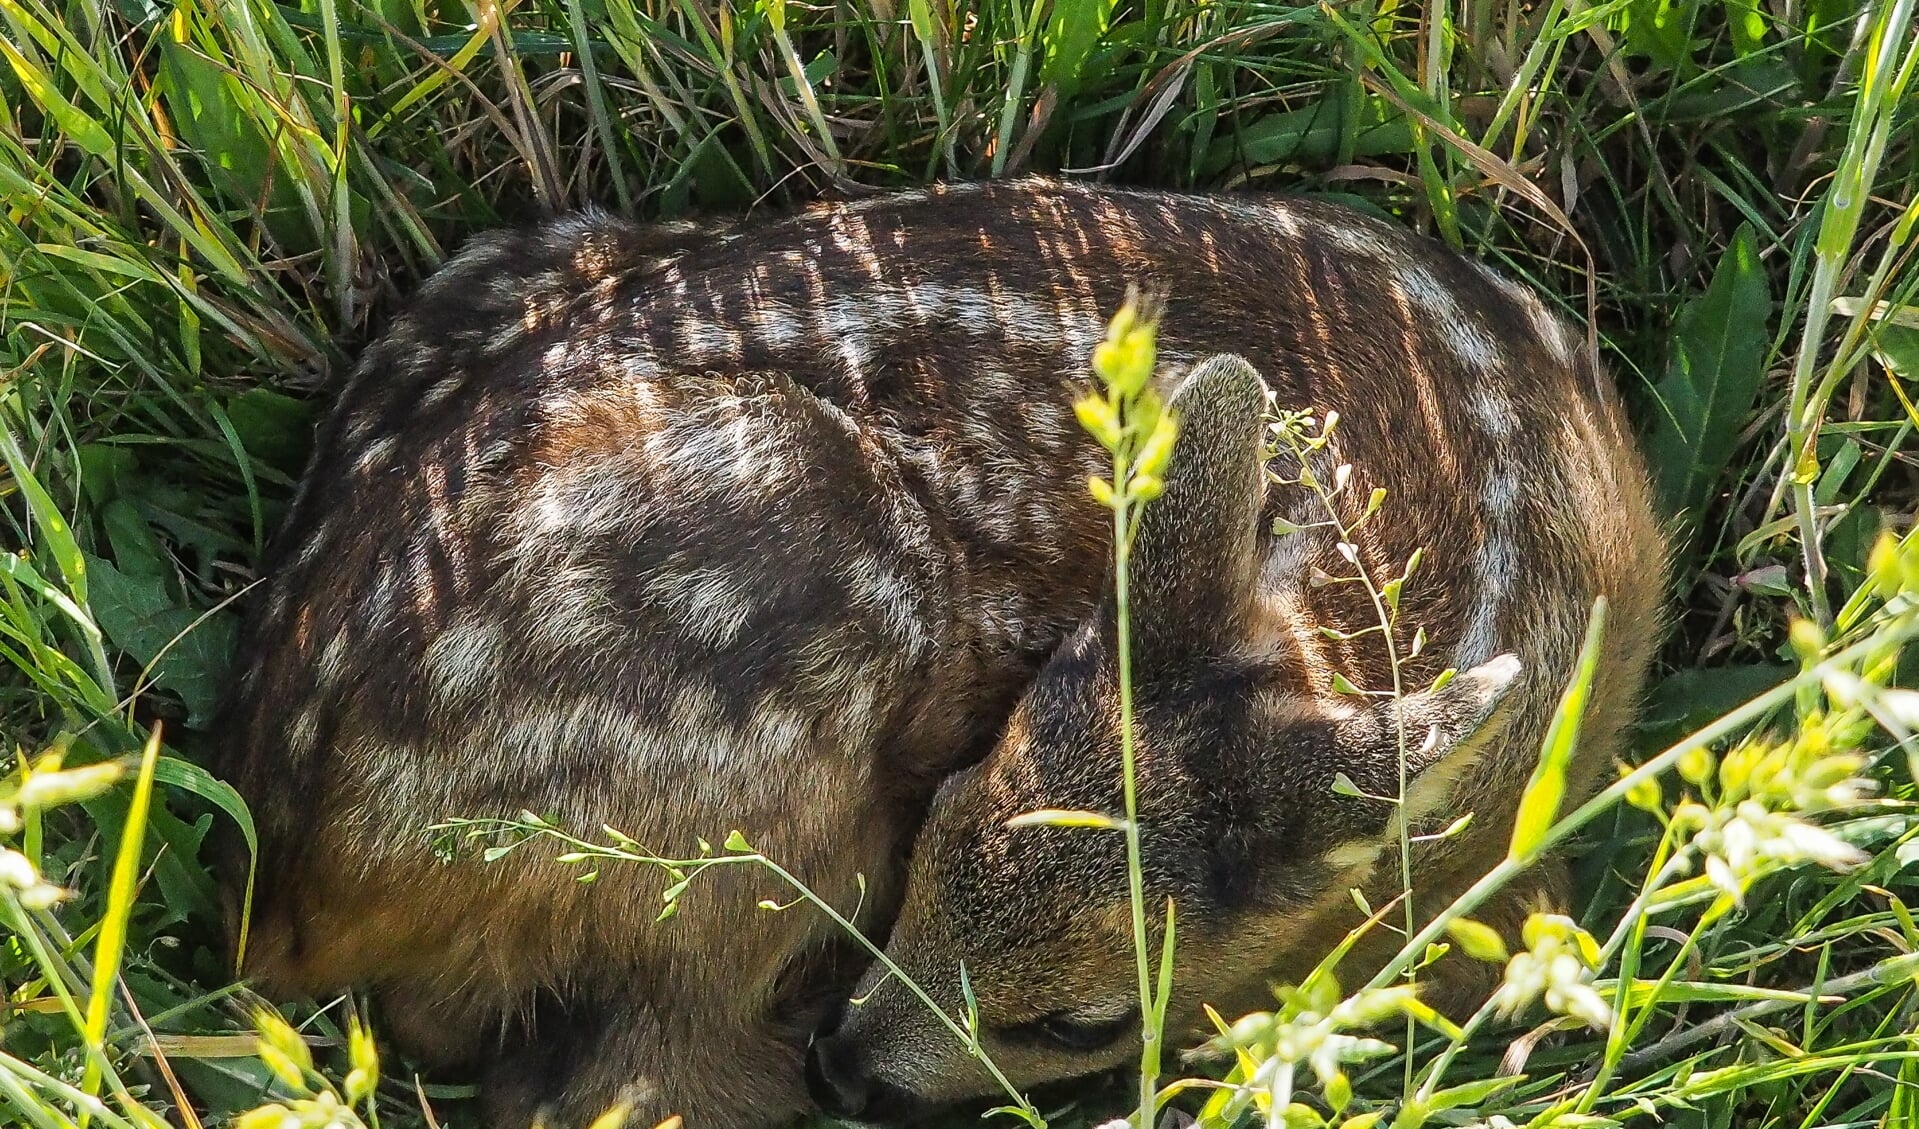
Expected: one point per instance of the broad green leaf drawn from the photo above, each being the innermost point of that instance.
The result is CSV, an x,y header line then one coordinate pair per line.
x,y
1685,700
1659,30
1717,365
180,875
206,105
104,469
191,778
1314,134
1897,347
1746,23
1073,30
1836,468
136,551
189,650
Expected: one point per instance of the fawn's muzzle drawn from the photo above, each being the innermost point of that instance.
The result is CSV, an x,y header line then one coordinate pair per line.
x,y
835,1079
842,1083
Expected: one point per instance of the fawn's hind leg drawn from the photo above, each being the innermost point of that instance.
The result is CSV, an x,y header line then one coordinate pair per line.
x,y
438,1029
578,1058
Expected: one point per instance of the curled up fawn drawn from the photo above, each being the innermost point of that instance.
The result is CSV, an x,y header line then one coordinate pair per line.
x,y
784,528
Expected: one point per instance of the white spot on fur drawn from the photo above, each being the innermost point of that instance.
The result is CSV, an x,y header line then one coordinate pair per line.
x,y
706,342
723,448
1353,855
439,391
1265,214
1364,241
1493,412
777,325
577,614
1554,331
881,591
303,736
1500,497
375,453
858,711
1496,564
333,656
708,603
777,729
462,660
315,543
849,324
361,428
1462,333
1013,318
638,362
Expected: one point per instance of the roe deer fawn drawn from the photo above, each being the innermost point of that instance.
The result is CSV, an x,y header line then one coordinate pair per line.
x,y
687,529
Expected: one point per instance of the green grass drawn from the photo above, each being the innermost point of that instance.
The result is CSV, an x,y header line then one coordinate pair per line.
x,y
208,206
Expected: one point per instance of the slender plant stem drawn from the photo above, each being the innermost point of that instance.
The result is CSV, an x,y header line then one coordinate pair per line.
x,y
1388,621
1895,970
1454,1046
1149,1035
1624,1033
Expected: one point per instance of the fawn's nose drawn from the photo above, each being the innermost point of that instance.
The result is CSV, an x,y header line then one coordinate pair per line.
x,y
835,1078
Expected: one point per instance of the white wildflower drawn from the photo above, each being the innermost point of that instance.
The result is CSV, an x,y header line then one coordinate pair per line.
x,y
1313,1029
17,874
1557,965
15,870
1748,841
1754,827
47,788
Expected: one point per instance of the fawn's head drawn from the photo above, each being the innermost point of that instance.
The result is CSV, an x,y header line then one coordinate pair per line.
x,y
1240,825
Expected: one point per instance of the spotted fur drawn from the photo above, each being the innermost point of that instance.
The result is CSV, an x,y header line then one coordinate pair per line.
x,y
1506,465
769,527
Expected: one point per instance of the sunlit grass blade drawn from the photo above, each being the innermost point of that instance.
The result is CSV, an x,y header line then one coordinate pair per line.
x,y
110,949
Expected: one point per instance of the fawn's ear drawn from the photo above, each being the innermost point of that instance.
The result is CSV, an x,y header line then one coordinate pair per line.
x,y
1194,562
1442,727
1440,721
1447,732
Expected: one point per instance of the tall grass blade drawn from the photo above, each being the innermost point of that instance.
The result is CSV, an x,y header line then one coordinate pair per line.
x,y
110,949
1539,804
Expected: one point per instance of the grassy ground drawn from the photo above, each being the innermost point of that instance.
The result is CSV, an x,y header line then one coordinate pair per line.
x,y
210,204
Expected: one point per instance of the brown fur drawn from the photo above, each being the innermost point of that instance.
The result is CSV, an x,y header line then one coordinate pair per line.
x,y
1518,480
685,530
